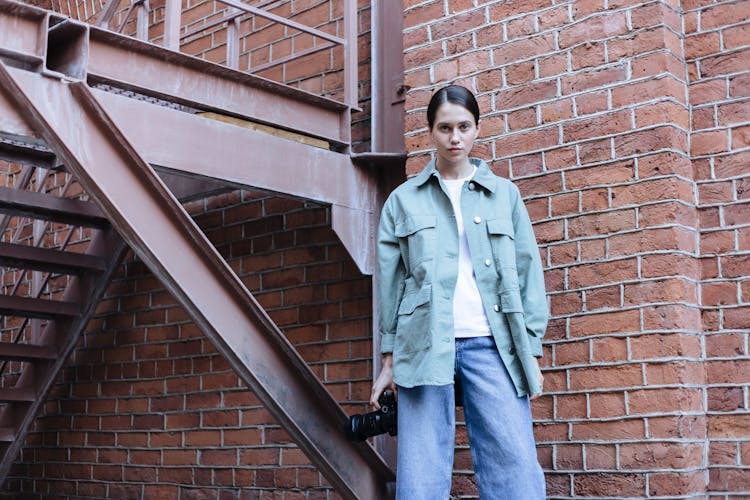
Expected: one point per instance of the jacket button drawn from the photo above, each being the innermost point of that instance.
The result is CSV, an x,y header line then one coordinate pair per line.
x,y
472,186
487,262
477,219
496,308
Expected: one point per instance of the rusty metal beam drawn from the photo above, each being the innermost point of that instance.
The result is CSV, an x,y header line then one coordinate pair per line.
x,y
133,64
245,157
388,91
235,156
156,226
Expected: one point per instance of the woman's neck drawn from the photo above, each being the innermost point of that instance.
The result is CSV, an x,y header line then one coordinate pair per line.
x,y
454,170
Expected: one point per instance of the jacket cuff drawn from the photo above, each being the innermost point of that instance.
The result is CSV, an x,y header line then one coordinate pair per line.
x,y
387,341
536,346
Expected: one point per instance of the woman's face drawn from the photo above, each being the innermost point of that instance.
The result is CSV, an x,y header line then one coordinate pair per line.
x,y
453,132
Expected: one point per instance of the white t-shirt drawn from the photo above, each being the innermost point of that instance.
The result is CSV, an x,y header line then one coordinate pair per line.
x,y
469,318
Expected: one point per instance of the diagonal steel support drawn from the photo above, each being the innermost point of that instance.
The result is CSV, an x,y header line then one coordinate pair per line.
x,y
155,225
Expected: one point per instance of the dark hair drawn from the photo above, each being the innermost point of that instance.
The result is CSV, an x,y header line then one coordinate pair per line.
x,y
454,94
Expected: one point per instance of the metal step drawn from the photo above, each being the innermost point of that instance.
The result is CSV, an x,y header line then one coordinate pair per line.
x,y
26,352
37,308
14,395
45,259
48,207
7,435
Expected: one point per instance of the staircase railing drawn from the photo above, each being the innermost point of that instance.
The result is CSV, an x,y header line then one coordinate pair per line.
x,y
175,34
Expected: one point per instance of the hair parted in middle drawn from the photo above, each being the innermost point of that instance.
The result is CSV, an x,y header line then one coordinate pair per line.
x,y
454,94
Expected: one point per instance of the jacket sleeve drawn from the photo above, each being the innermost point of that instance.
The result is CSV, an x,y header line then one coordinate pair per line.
x,y
530,274
390,280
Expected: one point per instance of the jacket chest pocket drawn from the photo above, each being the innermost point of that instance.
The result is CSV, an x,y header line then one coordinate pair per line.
x,y
417,237
502,241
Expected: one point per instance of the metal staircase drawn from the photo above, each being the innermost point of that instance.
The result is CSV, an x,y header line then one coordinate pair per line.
x,y
139,143
49,291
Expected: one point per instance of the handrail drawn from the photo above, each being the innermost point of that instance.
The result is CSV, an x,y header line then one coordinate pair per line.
x,y
173,38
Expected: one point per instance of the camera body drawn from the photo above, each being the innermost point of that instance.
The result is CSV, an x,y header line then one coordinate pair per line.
x,y
377,422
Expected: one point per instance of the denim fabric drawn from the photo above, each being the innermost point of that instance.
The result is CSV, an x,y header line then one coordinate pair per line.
x,y
498,423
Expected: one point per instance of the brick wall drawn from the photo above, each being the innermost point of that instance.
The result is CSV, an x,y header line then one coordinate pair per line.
x,y
717,50
148,408
624,124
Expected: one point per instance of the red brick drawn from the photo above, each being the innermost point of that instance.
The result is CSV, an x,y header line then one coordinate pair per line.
x,y
723,372
593,28
710,142
610,349
571,407
569,457
456,24
739,86
609,484
648,90
660,455
518,96
586,80
664,401
423,14
677,484
572,353
610,377
587,55
607,405
725,399
600,125
601,273
728,426
729,479
601,457
725,63
511,8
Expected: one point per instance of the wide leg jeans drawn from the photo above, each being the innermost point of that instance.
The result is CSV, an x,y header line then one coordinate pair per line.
x,y
498,424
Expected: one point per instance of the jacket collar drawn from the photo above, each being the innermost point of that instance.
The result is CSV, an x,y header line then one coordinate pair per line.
x,y
483,176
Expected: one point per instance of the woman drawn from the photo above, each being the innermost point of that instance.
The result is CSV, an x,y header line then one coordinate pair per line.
x,y
462,304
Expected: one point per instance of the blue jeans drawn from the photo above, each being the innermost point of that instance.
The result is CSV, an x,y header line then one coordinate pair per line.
x,y
498,424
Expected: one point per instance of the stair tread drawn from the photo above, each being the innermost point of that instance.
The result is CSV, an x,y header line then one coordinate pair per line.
x,y
49,207
25,352
37,308
7,434
46,259
15,395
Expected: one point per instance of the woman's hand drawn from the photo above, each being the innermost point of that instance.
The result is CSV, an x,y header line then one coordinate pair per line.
x,y
383,382
541,379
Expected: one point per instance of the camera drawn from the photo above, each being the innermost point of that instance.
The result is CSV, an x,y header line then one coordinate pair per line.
x,y
377,422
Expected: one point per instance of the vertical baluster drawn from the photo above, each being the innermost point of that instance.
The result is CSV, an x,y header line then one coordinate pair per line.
x,y
141,20
38,228
233,40
350,53
172,15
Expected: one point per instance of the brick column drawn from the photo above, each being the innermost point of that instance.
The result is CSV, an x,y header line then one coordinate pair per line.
x,y
585,106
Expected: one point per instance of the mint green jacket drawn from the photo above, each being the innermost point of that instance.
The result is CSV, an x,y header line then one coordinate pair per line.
x,y
418,266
